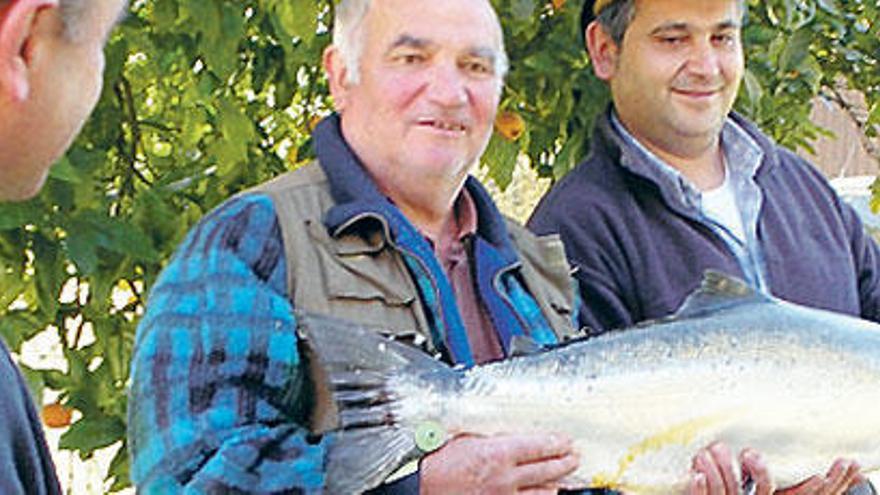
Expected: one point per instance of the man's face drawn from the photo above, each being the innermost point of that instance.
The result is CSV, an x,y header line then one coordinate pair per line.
x,y
678,70
423,110
65,77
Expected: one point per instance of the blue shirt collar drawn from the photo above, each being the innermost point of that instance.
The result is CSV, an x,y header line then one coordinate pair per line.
x,y
744,158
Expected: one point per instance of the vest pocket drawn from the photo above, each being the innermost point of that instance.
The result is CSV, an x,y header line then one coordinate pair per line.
x,y
373,289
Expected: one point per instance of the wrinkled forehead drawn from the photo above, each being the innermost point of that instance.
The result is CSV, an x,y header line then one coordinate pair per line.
x,y
451,24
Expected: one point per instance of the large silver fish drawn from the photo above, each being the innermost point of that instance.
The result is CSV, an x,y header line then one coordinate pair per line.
x,y
800,385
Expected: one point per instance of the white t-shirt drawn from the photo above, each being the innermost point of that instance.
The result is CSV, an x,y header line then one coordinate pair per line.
x,y
719,204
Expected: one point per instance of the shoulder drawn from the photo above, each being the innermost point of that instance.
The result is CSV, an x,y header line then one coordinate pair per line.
x,y
238,240
234,226
798,177
596,189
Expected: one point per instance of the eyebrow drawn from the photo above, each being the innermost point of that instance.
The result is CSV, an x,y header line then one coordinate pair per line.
x,y
410,41
683,26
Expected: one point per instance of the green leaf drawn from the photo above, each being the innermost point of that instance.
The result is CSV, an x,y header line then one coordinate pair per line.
x,y
92,433
298,17
17,327
796,50
753,90
119,469
126,239
16,215
82,246
34,380
165,13
49,275
500,158
64,171
523,9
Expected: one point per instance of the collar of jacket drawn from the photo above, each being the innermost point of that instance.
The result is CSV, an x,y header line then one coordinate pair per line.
x,y
357,198
607,142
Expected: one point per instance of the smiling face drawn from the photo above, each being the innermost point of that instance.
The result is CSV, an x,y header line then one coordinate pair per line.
x,y
422,110
676,74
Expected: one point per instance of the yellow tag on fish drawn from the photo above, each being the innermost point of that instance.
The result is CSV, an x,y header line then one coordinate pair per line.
x,y
430,436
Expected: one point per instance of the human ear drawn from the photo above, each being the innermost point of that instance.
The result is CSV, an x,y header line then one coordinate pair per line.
x,y
18,20
603,51
337,76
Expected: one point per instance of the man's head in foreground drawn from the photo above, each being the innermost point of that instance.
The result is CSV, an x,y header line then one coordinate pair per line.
x,y
51,72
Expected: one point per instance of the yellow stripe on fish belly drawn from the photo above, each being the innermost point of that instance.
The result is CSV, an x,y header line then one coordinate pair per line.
x,y
683,434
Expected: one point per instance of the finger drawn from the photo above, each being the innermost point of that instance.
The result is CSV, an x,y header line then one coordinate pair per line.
x,y
697,484
525,449
810,485
841,475
705,464
539,490
834,476
724,460
547,471
754,467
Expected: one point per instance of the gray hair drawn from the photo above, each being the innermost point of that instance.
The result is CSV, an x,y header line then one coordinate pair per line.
x,y
617,16
348,36
73,14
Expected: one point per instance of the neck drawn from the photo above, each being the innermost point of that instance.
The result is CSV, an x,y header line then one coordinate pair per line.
x,y
430,214
702,163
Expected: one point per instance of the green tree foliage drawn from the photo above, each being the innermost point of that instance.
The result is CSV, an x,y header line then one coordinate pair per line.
x,y
203,98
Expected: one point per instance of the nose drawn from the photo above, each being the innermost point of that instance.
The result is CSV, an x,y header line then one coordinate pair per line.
x,y
704,60
448,86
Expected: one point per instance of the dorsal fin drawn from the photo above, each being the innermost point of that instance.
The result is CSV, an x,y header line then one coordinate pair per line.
x,y
520,345
718,291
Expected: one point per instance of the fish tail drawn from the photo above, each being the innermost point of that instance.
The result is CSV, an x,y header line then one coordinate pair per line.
x,y
351,367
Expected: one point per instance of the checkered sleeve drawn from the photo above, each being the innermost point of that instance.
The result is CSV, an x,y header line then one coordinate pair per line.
x,y
215,403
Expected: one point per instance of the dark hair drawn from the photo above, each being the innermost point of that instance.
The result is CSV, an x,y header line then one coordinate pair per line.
x,y
617,16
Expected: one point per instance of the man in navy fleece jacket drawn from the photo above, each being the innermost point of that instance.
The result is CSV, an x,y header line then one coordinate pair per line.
x,y
677,184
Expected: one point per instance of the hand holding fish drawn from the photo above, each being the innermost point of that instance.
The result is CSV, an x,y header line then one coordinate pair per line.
x,y
533,464
843,475
714,473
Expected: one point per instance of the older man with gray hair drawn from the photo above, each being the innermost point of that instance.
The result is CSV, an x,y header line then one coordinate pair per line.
x,y
385,228
51,65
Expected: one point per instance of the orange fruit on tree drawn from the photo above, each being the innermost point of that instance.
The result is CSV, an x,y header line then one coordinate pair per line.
x,y
558,4
510,125
56,415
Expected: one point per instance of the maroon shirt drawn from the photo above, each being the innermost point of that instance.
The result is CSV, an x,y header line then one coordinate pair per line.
x,y
453,250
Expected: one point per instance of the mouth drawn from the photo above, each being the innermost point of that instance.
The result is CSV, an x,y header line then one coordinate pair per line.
x,y
443,126
697,92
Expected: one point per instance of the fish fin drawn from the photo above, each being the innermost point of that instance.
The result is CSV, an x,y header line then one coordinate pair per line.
x,y
350,367
520,345
718,291
358,460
